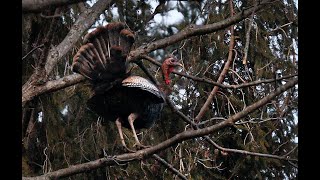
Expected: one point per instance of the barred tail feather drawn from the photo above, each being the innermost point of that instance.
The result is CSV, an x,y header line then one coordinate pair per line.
x,y
103,56
126,40
114,30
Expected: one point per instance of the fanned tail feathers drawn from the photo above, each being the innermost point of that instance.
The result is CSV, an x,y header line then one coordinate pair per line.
x,y
103,56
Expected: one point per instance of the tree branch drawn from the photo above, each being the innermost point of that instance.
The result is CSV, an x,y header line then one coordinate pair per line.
x,y
38,5
196,126
208,81
70,80
51,86
35,48
253,153
225,69
169,166
246,47
144,153
83,23
85,20
194,30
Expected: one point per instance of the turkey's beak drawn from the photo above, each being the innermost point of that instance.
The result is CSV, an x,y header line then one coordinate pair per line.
x,y
177,63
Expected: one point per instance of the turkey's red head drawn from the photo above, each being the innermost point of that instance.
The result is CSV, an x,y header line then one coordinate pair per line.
x,y
168,66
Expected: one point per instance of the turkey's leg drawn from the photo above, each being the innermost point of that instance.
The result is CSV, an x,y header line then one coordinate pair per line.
x,y
131,118
119,127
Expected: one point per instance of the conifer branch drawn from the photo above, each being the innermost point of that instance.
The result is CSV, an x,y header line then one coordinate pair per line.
x,y
169,166
285,157
87,18
225,69
214,83
145,153
195,30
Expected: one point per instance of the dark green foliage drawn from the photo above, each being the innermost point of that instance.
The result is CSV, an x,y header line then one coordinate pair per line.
x,y
69,133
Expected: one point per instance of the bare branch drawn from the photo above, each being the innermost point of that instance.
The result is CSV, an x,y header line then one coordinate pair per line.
x,y
194,30
212,167
85,20
83,23
53,16
291,151
257,122
246,47
38,5
292,164
225,69
280,28
145,70
253,153
51,86
169,166
35,48
196,126
208,81
144,153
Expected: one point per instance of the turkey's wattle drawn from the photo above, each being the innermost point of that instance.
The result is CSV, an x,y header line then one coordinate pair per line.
x,y
168,66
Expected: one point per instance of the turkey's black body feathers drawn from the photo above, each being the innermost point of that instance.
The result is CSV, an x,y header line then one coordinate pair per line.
x,y
116,94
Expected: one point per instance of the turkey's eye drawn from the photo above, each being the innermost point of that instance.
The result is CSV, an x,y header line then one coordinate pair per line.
x,y
172,60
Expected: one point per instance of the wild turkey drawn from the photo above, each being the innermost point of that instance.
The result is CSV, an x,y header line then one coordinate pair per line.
x,y
131,101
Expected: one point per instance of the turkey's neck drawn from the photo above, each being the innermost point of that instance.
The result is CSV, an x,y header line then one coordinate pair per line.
x,y
166,72
165,88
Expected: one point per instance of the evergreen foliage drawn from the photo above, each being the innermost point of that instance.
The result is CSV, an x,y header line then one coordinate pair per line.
x,y
61,131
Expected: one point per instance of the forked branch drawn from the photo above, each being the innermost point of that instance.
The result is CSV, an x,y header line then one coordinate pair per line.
x,y
145,153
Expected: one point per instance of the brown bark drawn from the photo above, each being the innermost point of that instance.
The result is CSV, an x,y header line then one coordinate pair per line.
x,y
38,5
83,23
226,67
194,30
70,80
30,89
144,153
88,17
208,81
246,47
51,86
169,166
253,153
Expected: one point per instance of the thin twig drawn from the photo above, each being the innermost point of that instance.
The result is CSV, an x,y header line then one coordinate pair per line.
x,y
253,122
40,46
205,106
253,153
292,164
194,30
144,153
169,166
144,69
212,167
211,119
246,47
52,16
290,151
196,126
204,80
